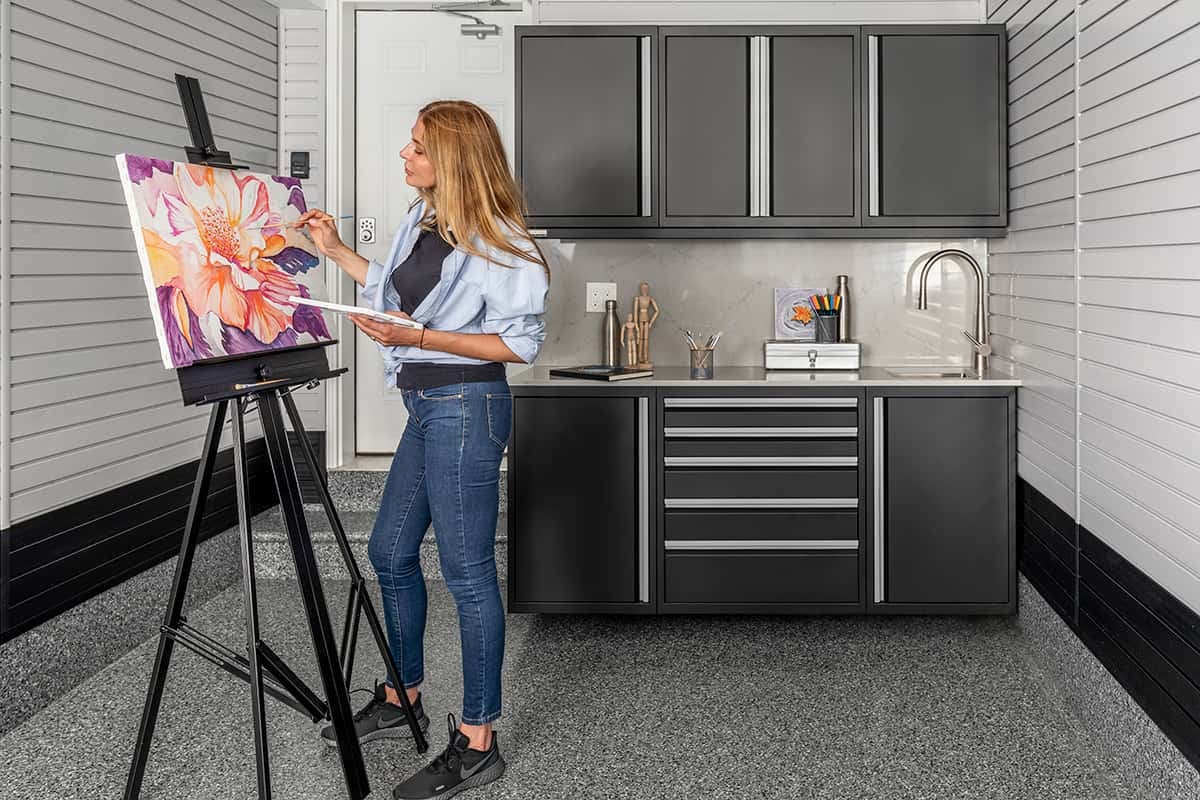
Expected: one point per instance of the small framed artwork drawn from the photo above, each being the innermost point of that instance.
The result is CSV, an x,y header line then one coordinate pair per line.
x,y
794,315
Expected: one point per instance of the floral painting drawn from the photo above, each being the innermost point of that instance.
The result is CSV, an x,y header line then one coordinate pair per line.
x,y
220,258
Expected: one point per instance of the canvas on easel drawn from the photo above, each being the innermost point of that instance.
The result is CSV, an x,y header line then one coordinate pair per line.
x,y
220,259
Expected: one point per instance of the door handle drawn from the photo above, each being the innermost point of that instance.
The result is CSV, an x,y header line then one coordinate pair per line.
x,y
873,126
878,494
645,132
755,128
643,500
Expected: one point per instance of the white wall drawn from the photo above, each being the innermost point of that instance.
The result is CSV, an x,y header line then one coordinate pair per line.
x,y
87,403
1103,308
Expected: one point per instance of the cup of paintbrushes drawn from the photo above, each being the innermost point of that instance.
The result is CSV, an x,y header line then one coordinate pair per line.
x,y
701,363
826,307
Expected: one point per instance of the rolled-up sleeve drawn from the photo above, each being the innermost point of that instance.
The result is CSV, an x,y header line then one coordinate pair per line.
x,y
369,292
515,307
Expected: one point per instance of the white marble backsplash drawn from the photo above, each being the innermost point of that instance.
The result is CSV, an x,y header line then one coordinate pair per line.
x,y
728,285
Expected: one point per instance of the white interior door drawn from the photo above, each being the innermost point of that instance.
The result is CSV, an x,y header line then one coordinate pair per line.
x,y
405,59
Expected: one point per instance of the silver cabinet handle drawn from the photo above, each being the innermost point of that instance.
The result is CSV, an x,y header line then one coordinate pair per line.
x,y
878,434
760,402
644,499
761,461
760,502
873,126
646,144
760,433
764,203
755,126
761,544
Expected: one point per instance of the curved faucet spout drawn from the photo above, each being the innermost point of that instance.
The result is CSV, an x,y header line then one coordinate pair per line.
x,y
979,340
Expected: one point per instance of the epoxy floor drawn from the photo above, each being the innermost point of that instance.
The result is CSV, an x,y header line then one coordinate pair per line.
x,y
614,707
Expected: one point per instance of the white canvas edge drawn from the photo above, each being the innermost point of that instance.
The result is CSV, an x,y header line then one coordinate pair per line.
x,y
144,257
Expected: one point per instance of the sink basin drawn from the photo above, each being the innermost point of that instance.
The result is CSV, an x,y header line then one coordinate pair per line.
x,y
930,372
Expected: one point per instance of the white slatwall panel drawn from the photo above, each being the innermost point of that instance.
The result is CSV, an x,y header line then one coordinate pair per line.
x,y
302,127
738,12
1139,288
91,406
1032,271
5,314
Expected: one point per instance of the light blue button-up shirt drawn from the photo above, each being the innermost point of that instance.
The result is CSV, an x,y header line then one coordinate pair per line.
x,y
474,295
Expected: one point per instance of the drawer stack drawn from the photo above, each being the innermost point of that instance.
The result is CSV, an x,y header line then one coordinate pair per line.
x,y
761,501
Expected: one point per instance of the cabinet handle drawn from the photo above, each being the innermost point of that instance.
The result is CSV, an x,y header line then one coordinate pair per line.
x,y
760,502
760,402
755,127
761,544
873,126
760,433
645,120
764,203
644,499
761,461
877,439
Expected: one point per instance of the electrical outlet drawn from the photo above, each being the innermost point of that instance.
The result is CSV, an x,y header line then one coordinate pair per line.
x,y
597,293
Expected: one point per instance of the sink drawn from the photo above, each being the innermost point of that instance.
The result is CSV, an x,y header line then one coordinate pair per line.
x,y
930,372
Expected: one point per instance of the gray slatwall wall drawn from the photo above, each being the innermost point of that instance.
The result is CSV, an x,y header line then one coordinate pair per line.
x,y
92,406
4,289
302,127
1096,291
1139,288
736,12
1032,271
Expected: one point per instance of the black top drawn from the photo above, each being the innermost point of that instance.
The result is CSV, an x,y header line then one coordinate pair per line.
x,y
413,281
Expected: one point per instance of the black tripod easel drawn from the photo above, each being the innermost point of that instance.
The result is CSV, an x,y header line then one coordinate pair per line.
x,y
235,386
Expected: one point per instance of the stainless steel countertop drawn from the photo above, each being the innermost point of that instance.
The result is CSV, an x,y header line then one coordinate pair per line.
x,y
758,376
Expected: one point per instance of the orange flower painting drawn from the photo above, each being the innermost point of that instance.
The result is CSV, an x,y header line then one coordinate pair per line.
x,y
220,259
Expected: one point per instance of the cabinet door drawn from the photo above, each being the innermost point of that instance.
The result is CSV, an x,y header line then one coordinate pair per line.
x,y
706,121
813,154
585,125
947,504
936,125
579,511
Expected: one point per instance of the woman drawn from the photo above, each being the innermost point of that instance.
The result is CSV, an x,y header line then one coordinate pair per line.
x,y
464,265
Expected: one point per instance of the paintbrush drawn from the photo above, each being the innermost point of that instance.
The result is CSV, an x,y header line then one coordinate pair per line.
x,y
293,224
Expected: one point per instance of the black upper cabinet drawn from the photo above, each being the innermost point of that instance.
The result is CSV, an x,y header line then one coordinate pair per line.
x,y
706,144
584,128
936,110
812,153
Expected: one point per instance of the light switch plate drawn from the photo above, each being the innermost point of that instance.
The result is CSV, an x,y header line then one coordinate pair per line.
x,y
597,293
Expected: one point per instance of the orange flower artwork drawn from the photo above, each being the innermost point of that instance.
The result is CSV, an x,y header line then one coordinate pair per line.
x,y
219,258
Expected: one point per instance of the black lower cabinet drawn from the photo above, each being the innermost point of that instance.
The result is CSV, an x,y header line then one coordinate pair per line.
x,y
579,504
943,480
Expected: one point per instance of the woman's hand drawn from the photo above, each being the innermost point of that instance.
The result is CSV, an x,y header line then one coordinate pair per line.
x,y
386,333
323,229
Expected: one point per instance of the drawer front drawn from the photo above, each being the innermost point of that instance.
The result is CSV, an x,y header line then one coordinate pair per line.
x,y
717,446
773,577
752,416
746,482
716,528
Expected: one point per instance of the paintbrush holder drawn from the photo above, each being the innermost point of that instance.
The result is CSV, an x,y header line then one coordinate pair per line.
x,y
702,363
827,327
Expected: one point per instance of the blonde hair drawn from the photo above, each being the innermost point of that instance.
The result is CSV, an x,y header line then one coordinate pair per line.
x,y
475,189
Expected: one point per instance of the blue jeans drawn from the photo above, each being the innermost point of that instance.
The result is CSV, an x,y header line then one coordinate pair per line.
x,y
447,471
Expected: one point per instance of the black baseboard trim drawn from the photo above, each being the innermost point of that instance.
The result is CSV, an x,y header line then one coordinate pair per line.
x,y
1143,635
59,559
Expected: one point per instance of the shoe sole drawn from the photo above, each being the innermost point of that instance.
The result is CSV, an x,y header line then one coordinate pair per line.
x,y
401,731
475,781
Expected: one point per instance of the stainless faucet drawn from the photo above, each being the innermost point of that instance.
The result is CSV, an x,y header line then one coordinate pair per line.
x,y
979,341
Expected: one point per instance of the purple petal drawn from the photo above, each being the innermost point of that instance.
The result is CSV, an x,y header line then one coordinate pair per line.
x,y
296,198
142,167
237,341
308,319
182,354
286,181
293,260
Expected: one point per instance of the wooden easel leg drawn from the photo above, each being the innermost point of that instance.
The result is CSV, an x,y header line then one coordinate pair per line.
x,y
360,596
174,613
250,597
284,471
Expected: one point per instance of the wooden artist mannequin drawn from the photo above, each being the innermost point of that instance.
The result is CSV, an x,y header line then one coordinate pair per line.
x,y
629,340
642,303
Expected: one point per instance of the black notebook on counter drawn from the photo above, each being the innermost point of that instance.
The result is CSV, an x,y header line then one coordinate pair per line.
x,y
599,372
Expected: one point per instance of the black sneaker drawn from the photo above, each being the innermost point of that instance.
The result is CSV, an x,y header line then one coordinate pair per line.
x,y
457,769
379,719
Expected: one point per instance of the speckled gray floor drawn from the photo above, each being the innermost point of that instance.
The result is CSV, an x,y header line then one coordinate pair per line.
x,y
619,707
